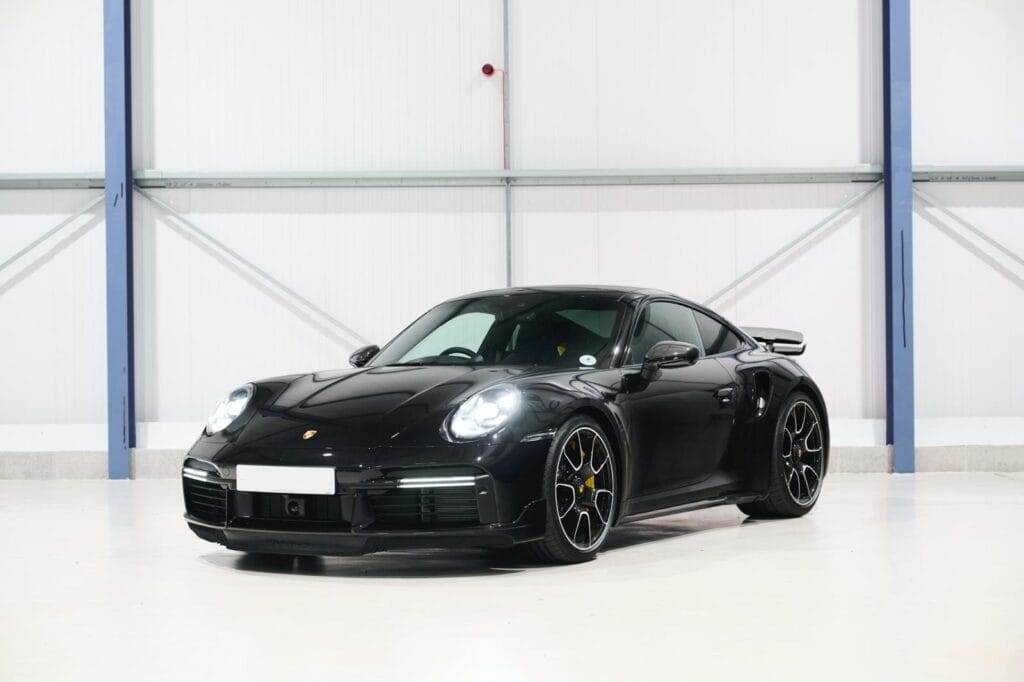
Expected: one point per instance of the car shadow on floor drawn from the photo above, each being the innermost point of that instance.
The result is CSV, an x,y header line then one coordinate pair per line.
x,y
673,527
447,563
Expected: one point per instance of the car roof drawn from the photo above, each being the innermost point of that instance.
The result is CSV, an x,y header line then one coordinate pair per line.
x,y
622,292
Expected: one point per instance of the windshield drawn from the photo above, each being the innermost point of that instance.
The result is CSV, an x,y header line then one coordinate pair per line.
x,y
542,328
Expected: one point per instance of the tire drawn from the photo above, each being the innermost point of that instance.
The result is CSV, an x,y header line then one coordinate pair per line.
x,y
582,500
798,462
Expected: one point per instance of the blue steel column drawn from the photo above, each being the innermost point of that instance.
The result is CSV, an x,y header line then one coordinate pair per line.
x,y
118,182
899,261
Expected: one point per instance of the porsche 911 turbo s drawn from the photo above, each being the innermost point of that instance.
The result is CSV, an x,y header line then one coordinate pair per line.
x,y
536,416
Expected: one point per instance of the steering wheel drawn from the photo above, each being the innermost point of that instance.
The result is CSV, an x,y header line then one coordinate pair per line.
x,y
460,350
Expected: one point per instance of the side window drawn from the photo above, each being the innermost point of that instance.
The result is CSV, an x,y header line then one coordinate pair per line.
x,y
716,336
662,321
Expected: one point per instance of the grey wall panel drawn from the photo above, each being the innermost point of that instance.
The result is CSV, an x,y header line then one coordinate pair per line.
x,y
266,85
968,102
968,294
969,303
52,347
372,258
51,94
695,240
666,84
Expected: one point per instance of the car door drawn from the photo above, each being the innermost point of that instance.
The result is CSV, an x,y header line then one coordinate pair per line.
x,y
679,421
750,386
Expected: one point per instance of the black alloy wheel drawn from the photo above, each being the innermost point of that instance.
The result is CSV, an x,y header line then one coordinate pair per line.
x,y
581,486
799,458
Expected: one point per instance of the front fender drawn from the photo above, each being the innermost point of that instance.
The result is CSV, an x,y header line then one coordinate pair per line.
x,y
592,394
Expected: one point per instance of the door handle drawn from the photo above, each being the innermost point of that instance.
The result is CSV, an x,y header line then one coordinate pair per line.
x,y
725,395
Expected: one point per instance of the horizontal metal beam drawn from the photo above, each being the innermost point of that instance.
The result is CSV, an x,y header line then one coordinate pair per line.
x,y
51,180
696,176
489,178
574,177
968,173
527,178
159,179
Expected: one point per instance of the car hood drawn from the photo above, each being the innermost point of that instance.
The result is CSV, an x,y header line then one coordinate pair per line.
x,y
364,407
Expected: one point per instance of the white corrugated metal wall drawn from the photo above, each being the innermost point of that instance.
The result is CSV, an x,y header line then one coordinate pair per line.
x,y
731,84
52,325
266,86
968,109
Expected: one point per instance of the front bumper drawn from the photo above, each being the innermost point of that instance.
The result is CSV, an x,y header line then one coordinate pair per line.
x,y
347,543
370,511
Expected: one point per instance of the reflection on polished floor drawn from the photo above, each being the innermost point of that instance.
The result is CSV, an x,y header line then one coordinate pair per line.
x,y
892,577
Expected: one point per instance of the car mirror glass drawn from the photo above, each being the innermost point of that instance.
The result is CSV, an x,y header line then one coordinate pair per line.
x,y
669,354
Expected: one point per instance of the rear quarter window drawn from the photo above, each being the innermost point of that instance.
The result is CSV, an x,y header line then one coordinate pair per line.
x,y
716,336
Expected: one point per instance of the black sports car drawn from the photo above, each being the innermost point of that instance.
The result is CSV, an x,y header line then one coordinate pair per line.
x,y
536,415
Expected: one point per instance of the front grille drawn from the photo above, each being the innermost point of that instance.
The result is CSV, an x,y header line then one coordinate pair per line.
x,y
206,501
274,507
419,507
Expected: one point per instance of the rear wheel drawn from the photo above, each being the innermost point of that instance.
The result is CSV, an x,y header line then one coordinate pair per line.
x,y
579,486
798,463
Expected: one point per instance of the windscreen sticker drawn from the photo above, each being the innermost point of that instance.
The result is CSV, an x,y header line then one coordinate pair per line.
x,y
588,360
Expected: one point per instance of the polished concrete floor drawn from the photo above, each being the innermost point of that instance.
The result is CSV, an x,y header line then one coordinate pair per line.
x,y
891,577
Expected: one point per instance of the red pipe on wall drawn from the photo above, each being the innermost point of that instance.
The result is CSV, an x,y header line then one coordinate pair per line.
x,y
488,70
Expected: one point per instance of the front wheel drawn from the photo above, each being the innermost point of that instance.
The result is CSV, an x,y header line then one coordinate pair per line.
x,y
798,463
579,486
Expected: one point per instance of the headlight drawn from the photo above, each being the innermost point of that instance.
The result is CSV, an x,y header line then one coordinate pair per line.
x,y
228,409
485,412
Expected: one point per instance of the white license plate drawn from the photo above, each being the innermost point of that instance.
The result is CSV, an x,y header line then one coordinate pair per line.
x,y
273,479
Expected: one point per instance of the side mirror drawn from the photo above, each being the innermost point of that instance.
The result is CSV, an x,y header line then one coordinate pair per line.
x,y
668,354
363,355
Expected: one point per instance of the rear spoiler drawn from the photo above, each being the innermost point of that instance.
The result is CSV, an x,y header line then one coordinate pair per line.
x,y
782,341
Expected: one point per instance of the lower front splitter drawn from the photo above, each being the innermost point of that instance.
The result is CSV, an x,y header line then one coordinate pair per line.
x,y
347,543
